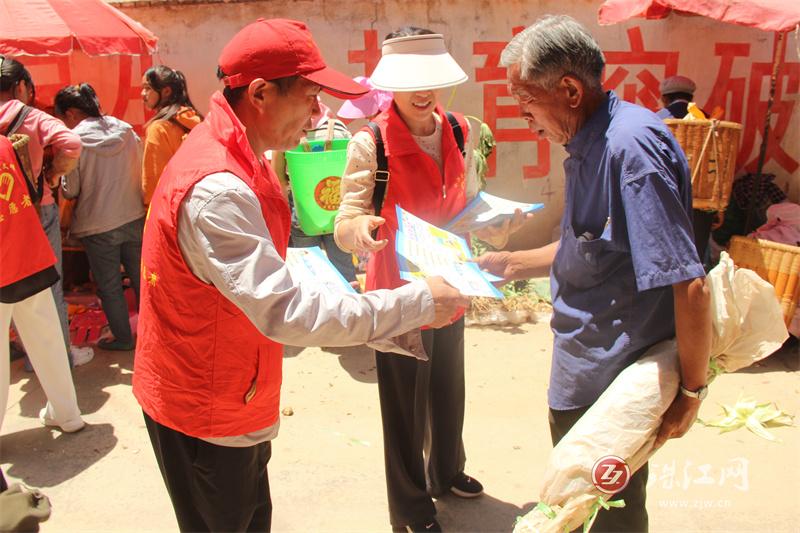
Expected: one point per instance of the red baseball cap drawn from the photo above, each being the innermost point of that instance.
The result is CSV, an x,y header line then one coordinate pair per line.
x,y
277,48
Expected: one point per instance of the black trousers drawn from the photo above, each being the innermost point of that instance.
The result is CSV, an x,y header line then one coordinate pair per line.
x,y
213,488
701,224
422,409
632,517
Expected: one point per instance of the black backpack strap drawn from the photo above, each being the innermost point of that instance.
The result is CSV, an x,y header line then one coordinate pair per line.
x,y
382,173
33,191
458,133
17,122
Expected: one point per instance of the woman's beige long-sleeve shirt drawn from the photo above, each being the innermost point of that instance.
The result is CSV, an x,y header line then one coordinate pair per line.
x,y
358,180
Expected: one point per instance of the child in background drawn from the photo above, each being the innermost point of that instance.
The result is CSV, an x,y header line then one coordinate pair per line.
x,y
164,91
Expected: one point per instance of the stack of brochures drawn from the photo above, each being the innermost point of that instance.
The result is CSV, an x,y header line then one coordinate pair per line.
x,y
425,250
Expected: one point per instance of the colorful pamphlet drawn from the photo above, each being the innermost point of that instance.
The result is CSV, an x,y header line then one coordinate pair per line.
x,y
424,250
311,265
484,210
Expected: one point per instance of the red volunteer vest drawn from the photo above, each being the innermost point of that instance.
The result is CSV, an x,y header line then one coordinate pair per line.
x,y
201,366
417,185
24,248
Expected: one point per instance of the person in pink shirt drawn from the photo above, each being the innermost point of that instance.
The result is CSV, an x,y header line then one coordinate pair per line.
x,y
45,131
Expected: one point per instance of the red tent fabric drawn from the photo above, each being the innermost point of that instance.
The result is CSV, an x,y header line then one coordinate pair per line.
x,y
769,15
72,41
57,27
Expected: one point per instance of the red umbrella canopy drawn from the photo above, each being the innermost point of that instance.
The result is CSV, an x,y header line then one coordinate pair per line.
x,y
769,15
57,27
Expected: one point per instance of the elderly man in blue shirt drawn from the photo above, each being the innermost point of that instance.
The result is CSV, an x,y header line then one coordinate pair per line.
x,y
625,273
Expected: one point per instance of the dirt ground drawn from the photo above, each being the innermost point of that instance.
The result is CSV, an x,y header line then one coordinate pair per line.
x,y
326,472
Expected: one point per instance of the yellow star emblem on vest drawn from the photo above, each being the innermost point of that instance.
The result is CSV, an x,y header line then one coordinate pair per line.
x,y
461,182
152,279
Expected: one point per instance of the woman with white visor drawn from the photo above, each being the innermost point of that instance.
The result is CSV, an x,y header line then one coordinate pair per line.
x,y
422,402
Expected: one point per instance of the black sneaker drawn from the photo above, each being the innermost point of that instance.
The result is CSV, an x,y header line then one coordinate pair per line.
x,y
431,527
466,487
116,345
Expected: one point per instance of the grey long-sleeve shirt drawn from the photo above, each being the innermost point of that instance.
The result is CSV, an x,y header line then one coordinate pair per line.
x,y
225,242
107,180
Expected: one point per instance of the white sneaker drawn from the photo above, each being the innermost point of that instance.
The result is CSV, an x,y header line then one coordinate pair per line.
x,y
81,354
70,426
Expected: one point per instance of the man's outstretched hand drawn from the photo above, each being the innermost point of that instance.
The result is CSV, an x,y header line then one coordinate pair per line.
x,y
496,263
447,301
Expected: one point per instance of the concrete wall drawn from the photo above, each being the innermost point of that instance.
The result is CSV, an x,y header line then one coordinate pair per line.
x,y
730,64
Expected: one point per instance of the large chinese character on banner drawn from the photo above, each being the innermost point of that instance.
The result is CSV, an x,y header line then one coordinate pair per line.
x,y
495,90
745,100
369,56
647,68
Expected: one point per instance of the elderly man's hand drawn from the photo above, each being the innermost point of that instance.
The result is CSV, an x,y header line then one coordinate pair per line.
x,y
497,234
496,263
678,419
362,228
447,301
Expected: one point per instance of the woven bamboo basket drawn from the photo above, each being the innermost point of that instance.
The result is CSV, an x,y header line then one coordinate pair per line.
x,y
20,144
711,147
777,263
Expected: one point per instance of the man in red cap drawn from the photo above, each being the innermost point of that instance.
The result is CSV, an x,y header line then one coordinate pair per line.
x,y
217,298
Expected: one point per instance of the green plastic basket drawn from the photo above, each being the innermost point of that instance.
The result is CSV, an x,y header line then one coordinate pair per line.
x,y
315,177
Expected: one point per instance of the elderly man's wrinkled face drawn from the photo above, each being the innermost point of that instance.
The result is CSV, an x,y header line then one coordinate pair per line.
x,y
549,113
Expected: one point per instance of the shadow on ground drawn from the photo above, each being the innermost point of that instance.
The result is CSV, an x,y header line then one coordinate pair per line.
x,y
483,514
45,457
787,359
105,370
292,351
358,361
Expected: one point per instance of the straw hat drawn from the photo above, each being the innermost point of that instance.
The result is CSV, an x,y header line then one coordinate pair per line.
x,y
416,63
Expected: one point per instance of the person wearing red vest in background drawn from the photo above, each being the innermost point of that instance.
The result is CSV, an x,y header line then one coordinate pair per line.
x,y
217,297
27,273
47,134
422,402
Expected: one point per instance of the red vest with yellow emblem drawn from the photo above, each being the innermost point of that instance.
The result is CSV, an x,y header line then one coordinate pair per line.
x,y
24,248
201,366
417,185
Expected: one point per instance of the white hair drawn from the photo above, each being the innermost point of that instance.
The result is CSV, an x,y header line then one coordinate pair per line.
x,y
552,47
